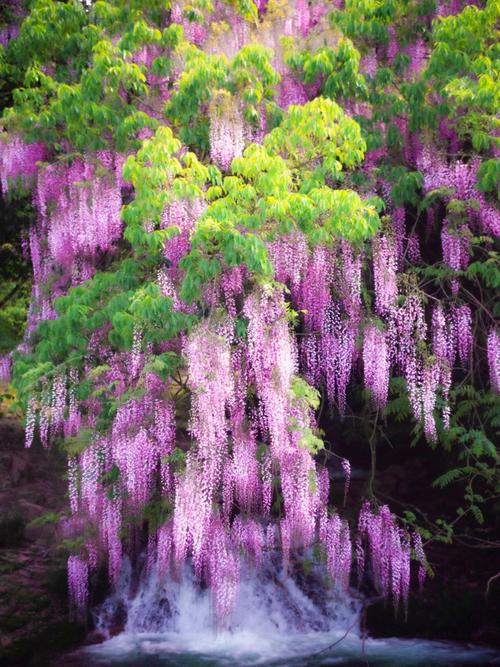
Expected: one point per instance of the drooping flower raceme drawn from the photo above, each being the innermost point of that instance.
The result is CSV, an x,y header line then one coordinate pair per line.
x,y
5,367
494,359
376,363
227,131
18,160
390,551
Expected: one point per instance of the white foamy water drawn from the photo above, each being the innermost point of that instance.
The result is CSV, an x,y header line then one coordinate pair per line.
x,y
278,620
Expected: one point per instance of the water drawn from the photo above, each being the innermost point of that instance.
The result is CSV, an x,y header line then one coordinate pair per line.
x,y
279,621
169,650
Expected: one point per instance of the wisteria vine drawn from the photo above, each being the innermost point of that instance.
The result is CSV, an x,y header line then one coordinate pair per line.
x,y
214,427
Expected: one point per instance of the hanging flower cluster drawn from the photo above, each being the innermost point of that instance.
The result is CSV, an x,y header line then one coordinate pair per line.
x,y
79,206
326,289
459,179
181,213
5,367
376,363
133,458
78,581
390,552
455,250
211,381
227,131
494,359
18,160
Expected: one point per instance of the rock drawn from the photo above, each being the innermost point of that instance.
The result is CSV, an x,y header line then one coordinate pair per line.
x,y
94,637
34,620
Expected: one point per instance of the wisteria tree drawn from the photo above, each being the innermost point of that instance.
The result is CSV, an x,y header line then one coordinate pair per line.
x,y
248,216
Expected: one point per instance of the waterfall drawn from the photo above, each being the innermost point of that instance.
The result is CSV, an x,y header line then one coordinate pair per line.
x,y
270,603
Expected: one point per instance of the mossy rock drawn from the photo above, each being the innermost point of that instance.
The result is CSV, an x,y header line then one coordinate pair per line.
x,y
11,530
39,649
15,621
446,614
10,564
56,582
